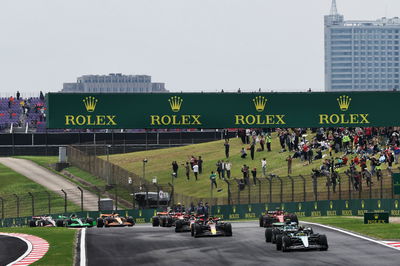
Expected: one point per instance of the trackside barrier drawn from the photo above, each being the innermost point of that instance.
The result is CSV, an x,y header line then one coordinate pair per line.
x,y
356,207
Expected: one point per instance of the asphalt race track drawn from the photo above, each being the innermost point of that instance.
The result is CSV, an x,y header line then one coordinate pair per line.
x,y
11,248
145,245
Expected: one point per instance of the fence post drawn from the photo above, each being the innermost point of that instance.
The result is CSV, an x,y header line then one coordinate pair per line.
x,y
259,190
81,198
370,188
116,197
17,198
329,183
229,191
270,189
172,194
2,208
340,186
33,203
280,179
304,188
381,181
291,179
158,195
48,200
315,185
249,196
65,200
147,195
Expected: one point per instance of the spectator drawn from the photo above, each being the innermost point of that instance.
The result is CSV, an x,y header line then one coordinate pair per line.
x,y
226,144
195,170
254,174
213,180
219,169
243,154
200,164
175,168
252,147
268,140
262,143
223,169
18,95
187,170
228,167
245,171
264,166
289,164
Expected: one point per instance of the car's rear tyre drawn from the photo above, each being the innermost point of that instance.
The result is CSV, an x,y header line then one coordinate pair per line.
x,y
268,235
156,221
130,220
278,241
90,221
178,226
228,229
286,243
323,241
261,221
163,222
59,223
273,238
32,224
100,222
192,230
169,221
197,230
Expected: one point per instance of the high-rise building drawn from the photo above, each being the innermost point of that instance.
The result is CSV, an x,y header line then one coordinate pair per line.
x,y
113,83
361,55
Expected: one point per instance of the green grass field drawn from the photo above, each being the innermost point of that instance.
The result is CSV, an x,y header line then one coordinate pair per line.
x,y
61,240
159,165
380,231
12,182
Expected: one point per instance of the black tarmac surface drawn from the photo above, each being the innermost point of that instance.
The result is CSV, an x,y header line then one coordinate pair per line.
x,y
145,245
11,248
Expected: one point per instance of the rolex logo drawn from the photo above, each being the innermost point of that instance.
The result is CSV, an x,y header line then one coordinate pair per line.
x,y
175,102
259,103
344,102
90,103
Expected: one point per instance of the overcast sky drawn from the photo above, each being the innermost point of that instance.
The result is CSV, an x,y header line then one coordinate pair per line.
x,y
190,45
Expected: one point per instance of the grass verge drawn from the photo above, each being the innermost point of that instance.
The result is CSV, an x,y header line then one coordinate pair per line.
x,y
378,231
61,240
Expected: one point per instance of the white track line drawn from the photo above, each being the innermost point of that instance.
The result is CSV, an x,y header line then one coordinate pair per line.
x,y
83,247
352,234
28,250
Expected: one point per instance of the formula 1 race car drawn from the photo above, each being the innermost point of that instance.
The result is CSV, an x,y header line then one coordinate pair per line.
x,y
271,217
185,222
166,219
74,221
292,237
211,227
40,221
114,220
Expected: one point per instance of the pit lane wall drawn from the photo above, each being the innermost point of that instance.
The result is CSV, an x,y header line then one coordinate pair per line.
x,y
355,207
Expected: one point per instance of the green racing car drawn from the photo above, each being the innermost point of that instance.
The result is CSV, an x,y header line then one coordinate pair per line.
x,y
74,222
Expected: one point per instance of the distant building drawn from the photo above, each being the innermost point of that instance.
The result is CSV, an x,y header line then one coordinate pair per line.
x,y
361,55
114,83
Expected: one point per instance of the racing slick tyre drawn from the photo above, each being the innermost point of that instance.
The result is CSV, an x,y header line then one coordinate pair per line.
x,y
59,223
294,219
100,222
90,221
197,230
285,243
273,238
163,222
268,235
32,224
268,221
169,222
178,226
156,221
278,238
130,220
323,241
228,229
261,221
192,230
